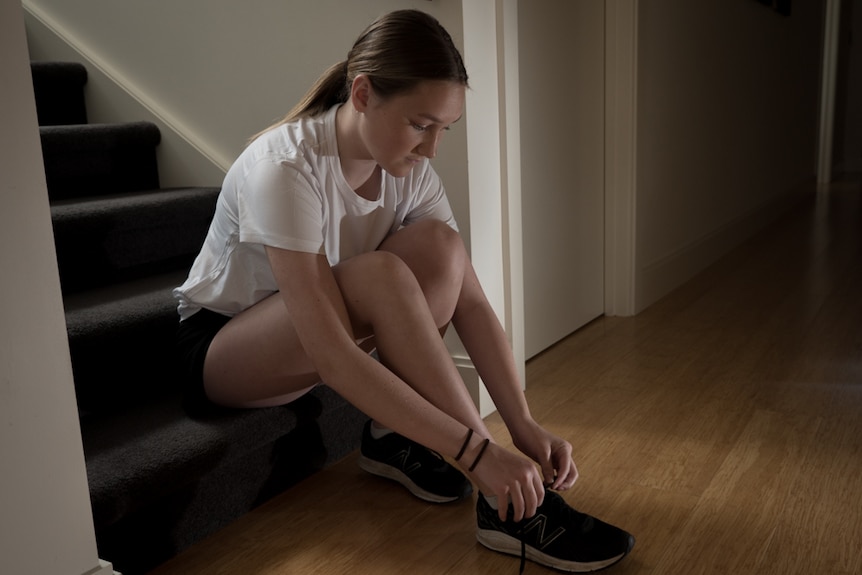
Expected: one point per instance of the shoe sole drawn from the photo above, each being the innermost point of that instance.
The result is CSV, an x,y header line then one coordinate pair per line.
x,y
389,472
503,543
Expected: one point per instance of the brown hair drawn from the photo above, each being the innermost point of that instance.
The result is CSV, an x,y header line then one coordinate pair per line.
x,y
396,52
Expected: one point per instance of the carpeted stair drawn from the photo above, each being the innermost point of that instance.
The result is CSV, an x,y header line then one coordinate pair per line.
x,y
159,479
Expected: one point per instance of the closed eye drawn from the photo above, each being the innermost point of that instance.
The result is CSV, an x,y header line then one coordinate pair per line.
x,y
421,128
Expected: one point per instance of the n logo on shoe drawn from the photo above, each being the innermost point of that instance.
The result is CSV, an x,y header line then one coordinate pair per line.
x,y
539,523
399,460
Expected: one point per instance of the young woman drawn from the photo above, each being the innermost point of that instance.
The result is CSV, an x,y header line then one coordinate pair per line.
x,y
333,237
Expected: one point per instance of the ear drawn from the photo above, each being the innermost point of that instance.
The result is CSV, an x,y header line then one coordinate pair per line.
x,y
360,93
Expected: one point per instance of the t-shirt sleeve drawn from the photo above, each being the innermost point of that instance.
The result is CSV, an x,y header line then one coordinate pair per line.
x,y
429,199
279,207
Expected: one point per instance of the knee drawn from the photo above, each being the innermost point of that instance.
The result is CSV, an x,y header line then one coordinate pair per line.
x,y
388,268
437,258
383,273
441,251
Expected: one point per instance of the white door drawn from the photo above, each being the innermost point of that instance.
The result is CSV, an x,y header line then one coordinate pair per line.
x,y
561,45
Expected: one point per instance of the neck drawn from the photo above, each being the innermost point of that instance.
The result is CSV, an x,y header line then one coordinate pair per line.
x,y
356,164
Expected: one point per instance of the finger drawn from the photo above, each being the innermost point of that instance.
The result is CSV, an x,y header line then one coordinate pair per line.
x,y
532,493
562,461
516,497
549,473
564,469
503,506
568,479
540,491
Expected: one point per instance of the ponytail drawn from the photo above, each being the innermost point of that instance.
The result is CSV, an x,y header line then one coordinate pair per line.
x,y
396,52
330,89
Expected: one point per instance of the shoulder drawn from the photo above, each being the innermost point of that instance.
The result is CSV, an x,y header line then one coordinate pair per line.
x,y
304,137
290,152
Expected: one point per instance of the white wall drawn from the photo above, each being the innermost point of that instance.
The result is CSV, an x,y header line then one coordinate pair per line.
x,y
46,526
727,108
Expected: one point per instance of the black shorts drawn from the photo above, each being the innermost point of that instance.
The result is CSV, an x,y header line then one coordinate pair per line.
x,y
194,336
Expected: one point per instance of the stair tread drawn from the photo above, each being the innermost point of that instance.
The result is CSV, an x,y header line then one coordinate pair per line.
x,y
127,201
100,128
90,137
127,297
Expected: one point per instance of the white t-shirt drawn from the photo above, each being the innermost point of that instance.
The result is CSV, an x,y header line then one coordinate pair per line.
x,y
287,190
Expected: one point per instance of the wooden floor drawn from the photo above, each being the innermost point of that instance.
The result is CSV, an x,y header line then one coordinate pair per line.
x,y
722,426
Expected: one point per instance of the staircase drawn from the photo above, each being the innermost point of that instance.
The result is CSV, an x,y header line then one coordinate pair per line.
x,y
159,479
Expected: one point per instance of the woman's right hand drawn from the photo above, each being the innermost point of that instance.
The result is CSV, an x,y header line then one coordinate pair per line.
x,y
512,478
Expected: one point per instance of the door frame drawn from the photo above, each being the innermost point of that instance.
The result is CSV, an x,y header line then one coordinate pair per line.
x,y
621,45
831,36
493,144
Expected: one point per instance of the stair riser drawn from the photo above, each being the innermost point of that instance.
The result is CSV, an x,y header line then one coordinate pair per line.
x,y
99,159
59,91
125,366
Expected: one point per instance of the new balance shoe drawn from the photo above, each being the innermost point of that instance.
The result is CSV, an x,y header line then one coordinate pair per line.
x,y
557,536
423,472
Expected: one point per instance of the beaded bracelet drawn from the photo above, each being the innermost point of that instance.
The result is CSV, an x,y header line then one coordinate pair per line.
x,y
464,447
481,452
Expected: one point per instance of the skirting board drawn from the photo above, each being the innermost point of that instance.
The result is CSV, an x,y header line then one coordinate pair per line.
x,y
657,279
104,568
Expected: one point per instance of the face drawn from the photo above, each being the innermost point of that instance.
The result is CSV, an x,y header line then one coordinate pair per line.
x,y
399,132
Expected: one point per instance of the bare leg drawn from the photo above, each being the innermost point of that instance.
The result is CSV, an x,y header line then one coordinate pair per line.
x,y
436,257
258,359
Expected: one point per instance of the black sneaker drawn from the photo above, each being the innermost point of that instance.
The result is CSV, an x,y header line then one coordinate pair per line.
x,y
557,536
424,472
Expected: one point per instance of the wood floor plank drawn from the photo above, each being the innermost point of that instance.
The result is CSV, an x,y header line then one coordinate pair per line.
x,y
820,529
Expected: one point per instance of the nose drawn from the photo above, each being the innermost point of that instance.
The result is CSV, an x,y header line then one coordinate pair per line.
x,y
428,146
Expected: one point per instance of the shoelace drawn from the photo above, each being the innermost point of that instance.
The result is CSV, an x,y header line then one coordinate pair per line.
x,y
523,556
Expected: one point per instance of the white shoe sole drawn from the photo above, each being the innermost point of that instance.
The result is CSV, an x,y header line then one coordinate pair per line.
x,y
503,543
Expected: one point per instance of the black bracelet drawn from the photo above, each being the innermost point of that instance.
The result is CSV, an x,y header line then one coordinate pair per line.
x,y
481,451
466,441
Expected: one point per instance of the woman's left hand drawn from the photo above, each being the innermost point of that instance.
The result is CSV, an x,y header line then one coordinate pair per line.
x,y
552,453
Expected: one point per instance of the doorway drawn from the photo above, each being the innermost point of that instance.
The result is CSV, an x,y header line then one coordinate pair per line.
x,y
561,63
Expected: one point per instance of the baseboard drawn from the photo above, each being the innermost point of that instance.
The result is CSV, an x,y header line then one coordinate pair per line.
x,y
183,159
104,568
658,278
